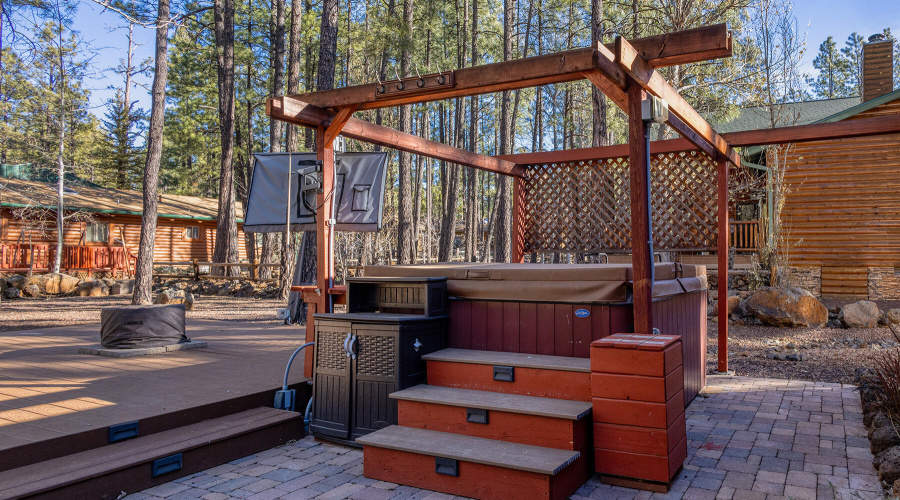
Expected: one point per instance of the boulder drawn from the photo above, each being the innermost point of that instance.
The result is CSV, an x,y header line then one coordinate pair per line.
x,y
893,316
734,304
55,283
18,281
125,287
883,437
31,290
3,284
12,293
172,296
862,314
790,307
888,464
92,289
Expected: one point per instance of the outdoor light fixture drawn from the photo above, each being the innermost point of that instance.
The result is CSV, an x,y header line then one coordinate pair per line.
x,y
655,110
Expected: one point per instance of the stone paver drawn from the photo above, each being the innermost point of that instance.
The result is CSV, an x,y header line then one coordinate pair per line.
x,y
755,439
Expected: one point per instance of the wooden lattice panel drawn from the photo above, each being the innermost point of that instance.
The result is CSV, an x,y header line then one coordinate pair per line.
x,y
584,207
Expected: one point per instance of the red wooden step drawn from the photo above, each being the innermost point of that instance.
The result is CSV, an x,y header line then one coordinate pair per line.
x,y
551,423
469,466
557,377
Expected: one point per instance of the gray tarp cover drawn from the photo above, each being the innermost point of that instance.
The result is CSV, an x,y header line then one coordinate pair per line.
x,y
135,327
358,193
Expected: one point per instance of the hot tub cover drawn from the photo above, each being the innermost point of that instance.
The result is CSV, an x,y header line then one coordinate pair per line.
x,y
134,327
568,283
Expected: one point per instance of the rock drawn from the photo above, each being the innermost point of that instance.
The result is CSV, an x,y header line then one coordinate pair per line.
x,y
862,314
884,437
172,296
55,283
12,293
125,287
895,489
92,289
893,316
790,307
734,304
794,357
18,281
31,290
3,284
869,418
888,464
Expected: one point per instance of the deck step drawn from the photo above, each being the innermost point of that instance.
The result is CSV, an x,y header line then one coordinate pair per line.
x,y
469,466
128,466
557,377
551,423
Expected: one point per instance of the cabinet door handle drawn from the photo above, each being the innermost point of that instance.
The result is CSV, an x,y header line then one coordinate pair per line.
x,y
352,350
347,341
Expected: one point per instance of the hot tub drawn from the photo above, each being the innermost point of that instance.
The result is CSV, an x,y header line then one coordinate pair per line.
x,y
559,309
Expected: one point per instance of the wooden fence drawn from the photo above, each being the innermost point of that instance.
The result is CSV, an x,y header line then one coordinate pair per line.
x,y
40,257
744,235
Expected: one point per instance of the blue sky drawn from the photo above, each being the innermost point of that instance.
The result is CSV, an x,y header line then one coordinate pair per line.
x,y
818,18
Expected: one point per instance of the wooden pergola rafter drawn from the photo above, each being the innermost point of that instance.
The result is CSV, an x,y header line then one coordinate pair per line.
x,y
624,71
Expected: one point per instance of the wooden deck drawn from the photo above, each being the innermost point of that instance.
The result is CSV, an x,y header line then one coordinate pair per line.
x,y
54,401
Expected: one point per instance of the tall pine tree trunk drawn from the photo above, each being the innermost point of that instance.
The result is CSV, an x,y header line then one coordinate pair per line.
x,y
226,225
405,237
598,100
324,81
502,250
143,269
271,241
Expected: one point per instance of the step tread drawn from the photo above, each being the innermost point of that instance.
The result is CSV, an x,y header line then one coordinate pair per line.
x,y
498,401
516,456
538,361
62,471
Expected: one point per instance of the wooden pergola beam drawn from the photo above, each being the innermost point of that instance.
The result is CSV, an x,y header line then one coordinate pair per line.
x,y
681,47
782,135
630,60
292,110
684,47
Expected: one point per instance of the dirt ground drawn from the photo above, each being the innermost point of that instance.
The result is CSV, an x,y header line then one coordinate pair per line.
x,y
829,354
21,314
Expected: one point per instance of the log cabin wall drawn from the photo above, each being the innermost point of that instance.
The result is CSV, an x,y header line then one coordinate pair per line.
x,y
841,214
173,241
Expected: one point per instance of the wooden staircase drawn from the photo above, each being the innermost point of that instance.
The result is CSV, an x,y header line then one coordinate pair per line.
x,y
490,425
142,462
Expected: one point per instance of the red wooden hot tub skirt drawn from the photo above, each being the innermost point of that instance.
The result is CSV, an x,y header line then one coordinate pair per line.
x,y
559,329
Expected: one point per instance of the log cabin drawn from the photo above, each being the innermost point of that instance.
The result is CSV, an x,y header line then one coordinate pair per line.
x,y
841,215
102,229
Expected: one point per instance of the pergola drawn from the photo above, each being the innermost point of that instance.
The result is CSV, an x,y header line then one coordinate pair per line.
x,y
625,71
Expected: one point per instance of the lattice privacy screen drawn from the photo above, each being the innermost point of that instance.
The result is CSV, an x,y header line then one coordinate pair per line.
x,y
584,207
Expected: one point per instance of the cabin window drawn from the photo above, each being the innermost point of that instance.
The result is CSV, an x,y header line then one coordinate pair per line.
x,y
192,232
97,232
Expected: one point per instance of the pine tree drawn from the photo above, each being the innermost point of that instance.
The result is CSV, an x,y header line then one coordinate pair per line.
x,y
121,157
833,69
853,55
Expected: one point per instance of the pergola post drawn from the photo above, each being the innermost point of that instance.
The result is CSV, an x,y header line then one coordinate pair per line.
x,y
723,241
641,239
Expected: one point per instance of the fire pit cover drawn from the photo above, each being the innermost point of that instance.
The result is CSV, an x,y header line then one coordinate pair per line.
x,y
135,327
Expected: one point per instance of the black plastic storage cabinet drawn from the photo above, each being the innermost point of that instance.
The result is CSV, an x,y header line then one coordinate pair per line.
x,y
362,357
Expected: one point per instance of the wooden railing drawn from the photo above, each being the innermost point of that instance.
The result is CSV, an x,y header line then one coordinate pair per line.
x,y
25,257
744,235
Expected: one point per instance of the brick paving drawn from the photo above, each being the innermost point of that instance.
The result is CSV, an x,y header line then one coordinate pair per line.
x,y
748,439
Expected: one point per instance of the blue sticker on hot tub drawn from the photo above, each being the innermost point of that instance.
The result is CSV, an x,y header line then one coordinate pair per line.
x,y
582,313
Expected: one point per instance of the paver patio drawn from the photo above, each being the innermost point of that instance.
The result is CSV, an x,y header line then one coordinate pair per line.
x,y
749,439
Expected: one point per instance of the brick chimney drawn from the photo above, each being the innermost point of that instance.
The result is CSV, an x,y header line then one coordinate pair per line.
x,y
878,67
